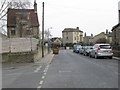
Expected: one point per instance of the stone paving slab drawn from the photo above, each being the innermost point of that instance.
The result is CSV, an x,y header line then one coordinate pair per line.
x,y
47,59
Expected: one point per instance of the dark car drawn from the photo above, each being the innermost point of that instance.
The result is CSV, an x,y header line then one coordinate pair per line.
x,y
87,50
81,50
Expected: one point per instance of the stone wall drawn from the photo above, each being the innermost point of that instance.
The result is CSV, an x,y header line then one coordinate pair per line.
x,y
27,57
24,57
21,50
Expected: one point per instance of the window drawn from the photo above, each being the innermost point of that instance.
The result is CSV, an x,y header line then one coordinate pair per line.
x,y
75,38
12,32
66,33
105,46
67,38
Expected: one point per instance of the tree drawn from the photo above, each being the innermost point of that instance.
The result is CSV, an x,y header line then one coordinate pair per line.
x,y
47,34
14,4
102,40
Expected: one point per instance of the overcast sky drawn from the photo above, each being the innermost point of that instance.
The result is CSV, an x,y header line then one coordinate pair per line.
x,y
91,16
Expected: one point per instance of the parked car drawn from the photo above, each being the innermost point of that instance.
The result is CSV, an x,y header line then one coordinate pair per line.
x,y
86,50
81,50
76,48
101,50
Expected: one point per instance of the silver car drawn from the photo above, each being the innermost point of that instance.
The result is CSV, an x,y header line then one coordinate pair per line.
x,y
76,48
101,50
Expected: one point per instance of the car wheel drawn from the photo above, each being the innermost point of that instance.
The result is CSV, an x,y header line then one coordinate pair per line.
x,y
90,55
110,57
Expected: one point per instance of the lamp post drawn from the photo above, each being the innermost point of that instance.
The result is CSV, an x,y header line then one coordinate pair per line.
x,y
43,30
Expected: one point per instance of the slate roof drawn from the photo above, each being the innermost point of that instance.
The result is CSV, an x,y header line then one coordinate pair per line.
x,y
11,16
71,30
89,37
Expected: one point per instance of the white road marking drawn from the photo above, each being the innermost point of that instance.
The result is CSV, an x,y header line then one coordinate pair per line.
x,y
46,68
37,69
41,82
43,77
45,73
51,59
39,87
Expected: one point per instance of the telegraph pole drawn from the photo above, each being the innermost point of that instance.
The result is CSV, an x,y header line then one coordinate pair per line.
x,y
43,31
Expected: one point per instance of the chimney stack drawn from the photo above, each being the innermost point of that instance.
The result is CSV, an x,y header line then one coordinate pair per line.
x,y
77,28
106,31
119,12
35,6
85,34
91,35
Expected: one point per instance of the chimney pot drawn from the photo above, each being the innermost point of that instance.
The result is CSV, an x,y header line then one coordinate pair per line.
x,y
78,28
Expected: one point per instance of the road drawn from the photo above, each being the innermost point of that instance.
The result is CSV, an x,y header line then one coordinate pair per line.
x,y
67,70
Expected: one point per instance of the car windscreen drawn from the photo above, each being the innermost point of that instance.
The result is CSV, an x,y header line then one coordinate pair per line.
x,y
79,46
105,46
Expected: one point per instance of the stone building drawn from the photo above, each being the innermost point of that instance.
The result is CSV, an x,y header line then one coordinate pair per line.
x,y
22,22
107,36
88,40
72,35
116,34
116,30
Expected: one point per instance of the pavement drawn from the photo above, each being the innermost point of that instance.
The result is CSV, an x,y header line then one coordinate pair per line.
x,y
116,58
47,59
